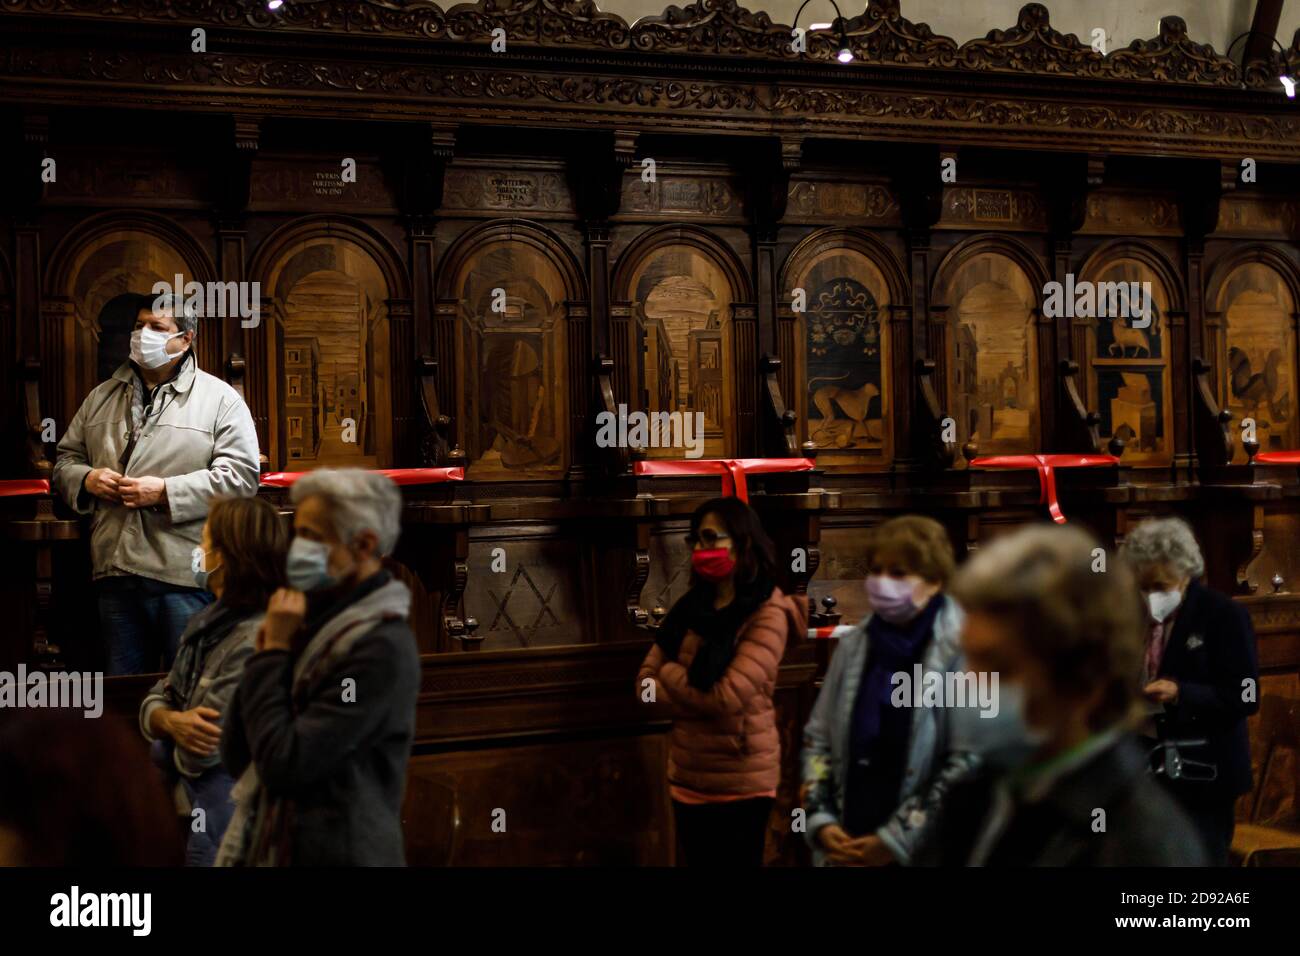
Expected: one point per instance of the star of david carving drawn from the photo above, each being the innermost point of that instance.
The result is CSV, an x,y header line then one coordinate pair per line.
x,y
682,570
522,634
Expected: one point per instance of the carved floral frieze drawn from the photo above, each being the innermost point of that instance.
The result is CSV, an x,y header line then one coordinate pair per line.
x,y
880,35
402,86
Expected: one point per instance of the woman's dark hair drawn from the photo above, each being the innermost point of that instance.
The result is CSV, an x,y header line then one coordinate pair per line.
x,y
82,792
755,553
254,542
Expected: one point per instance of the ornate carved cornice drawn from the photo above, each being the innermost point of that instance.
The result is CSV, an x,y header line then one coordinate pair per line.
x,y
1172,57
880,36
713,27
883,35
1033,46
293,86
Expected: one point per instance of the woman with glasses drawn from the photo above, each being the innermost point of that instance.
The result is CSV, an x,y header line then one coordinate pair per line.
x,y
869,756
715,662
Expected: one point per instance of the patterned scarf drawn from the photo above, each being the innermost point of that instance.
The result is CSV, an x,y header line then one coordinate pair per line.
x,y
1159,637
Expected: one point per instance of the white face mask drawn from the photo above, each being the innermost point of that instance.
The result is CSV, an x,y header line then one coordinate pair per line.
x,y
149,348
1164,603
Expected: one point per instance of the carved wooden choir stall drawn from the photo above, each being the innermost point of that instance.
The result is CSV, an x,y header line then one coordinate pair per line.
x,y
464,257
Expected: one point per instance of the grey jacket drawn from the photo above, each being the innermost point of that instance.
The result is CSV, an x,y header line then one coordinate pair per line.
x,y
199,438
826,736
187,686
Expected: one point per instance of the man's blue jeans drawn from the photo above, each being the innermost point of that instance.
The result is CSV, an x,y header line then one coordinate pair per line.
x,y
143,620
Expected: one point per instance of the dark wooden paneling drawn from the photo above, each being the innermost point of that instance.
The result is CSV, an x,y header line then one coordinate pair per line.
x,y
543,722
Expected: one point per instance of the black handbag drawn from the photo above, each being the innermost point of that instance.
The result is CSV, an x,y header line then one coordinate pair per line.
x,y
1167,760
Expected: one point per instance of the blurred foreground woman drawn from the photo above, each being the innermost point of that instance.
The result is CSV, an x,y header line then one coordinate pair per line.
x,y
864,756
242,563
715,661
1062,781
1200,677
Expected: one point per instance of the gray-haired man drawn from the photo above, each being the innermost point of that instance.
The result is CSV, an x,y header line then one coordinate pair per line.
x,y
144,455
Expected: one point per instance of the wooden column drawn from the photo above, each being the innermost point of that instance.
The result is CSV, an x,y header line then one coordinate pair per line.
x,y
919,191
596,239
419,164
597,329
450,380
1201,187
30,337
744,324
767,191
225,345
596,178
912,334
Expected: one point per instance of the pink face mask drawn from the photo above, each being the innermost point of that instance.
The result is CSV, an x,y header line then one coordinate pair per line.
x,y
713,564
892,598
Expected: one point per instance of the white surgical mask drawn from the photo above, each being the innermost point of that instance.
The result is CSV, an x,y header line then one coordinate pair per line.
x,y
1164,603
149,347
202,573
308,565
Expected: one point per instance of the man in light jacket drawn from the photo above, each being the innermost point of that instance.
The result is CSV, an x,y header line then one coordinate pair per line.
x,y
144,454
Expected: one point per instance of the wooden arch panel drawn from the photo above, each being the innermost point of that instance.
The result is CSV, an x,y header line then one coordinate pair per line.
x,y
330,357
1258,355
510,323
993,354
1128,365
681,303
842,347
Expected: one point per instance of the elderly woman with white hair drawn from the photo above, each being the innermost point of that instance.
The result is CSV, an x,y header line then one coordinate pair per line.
x,y
1200,675
319,731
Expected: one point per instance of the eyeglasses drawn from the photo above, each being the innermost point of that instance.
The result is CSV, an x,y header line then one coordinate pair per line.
x,y
707,537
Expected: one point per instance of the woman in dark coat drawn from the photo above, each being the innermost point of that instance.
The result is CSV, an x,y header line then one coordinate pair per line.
x,y
1201,676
